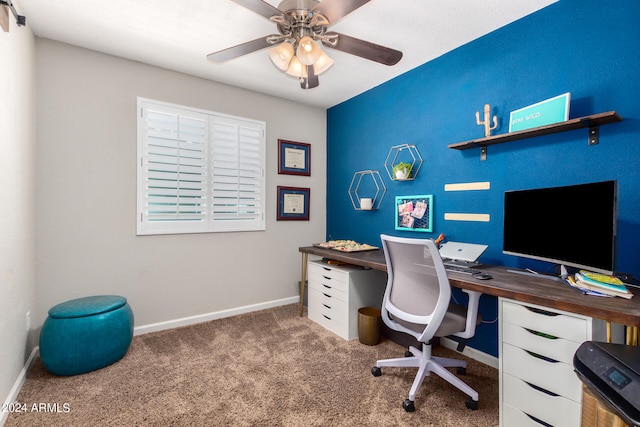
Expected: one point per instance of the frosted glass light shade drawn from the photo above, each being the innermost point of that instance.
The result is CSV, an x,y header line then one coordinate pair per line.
x,y
322,64
308,51
281,55
296,68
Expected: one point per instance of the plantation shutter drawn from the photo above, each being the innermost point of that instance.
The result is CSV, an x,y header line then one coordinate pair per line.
x,y
237,174
198,171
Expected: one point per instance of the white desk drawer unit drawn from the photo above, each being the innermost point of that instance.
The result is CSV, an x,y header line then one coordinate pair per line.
x,y
538,386
337,292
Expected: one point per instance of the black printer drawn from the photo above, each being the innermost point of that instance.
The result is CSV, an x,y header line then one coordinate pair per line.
x,y
612,373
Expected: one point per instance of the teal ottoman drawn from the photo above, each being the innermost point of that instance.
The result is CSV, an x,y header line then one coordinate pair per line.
x,y
86,334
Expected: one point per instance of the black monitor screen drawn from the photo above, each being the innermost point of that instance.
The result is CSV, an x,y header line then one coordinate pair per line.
x,y
572,225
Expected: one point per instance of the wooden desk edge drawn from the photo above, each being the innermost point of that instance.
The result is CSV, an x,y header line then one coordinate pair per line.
x,y
526,289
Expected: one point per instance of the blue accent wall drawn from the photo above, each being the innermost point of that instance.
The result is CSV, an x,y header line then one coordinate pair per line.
x,y
587,47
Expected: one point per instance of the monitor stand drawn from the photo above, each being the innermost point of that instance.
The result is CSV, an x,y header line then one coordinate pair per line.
x,y
562,278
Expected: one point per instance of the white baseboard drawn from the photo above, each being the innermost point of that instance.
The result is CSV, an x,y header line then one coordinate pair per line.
x,y
192,320
15,390
474,354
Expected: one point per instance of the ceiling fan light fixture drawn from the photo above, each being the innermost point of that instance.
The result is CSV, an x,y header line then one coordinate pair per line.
x,y
297,68
308,51
281,55
323,63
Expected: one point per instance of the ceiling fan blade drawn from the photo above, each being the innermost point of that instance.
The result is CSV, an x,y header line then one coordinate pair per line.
x,y
239,50
334,10
363,49
311,80
260,7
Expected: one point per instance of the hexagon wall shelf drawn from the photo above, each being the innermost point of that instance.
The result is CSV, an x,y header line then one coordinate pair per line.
x,y
363,184
403,153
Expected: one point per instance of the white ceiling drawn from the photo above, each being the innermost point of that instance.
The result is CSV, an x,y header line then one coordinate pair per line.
x,y
179,34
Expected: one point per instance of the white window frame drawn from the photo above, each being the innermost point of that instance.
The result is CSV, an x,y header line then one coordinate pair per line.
x,y
210,166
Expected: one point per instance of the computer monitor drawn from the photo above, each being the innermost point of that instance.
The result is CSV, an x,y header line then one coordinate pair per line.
x,y
572,225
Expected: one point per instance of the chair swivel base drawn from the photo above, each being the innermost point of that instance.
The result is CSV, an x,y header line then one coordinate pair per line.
x,y
427,364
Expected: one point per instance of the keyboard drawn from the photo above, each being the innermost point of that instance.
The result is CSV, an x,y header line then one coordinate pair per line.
x,y
461,269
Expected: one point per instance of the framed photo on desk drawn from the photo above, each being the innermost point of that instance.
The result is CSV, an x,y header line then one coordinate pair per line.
x,y
293,204
294,158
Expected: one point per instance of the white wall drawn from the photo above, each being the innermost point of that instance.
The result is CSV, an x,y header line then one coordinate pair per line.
x,y
86,193
17,200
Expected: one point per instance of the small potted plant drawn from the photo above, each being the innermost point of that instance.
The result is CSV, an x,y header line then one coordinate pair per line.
x,y
402,170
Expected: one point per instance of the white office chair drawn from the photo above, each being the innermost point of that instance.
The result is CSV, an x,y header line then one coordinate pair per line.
x,y
417,301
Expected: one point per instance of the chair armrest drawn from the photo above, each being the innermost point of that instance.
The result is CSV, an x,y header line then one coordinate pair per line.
x,y
472,314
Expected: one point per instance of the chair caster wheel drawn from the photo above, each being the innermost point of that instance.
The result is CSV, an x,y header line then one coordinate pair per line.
x,y
408,405
408,354
472,404
376,372
461,371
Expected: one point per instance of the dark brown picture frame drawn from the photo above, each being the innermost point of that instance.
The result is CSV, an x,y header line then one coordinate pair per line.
x,y
293,203
294,158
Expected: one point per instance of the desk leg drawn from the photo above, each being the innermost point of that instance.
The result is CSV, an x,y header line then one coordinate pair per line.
x,y
303,280
632,335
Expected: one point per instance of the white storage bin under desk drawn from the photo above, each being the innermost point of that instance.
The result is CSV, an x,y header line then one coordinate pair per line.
x,y
336,292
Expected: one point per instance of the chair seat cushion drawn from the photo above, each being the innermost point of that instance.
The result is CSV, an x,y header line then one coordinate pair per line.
x,y
455,320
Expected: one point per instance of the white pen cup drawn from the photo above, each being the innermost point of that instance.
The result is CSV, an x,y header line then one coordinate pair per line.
x,y
366,203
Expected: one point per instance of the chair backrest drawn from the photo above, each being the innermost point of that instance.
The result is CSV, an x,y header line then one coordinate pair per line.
x,y
418,290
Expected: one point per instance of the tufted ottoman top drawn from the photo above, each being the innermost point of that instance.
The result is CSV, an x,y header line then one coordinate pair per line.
x,y
87,306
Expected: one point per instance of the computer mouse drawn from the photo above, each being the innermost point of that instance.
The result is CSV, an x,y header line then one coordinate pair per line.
x,y
484,276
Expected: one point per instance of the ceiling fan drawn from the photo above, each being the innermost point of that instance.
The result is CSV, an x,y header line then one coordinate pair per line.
x,y
302,25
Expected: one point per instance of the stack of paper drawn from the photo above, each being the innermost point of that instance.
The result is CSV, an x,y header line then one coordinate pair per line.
x,y
600,283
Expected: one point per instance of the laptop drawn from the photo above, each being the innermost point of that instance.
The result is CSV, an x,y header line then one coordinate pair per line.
x,y
461,254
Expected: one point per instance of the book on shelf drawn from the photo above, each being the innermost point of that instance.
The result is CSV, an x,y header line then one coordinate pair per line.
x,y
587,281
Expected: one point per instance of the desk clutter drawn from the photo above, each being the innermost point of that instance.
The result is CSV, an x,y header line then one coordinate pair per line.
x,y
345,246
599,284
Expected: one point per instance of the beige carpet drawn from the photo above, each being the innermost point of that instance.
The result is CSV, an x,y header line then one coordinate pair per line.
x,y
268,368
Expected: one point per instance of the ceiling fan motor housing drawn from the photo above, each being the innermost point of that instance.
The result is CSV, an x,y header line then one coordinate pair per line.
x,y
299,20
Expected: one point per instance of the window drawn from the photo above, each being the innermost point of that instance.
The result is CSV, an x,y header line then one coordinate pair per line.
x,y
198,171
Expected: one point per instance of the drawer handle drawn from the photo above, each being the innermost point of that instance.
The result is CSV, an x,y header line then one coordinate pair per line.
x,y
541,334
326,317
543,312
538,420
326,286
541,357
328,278
326,268
542,390
328,306
328,296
